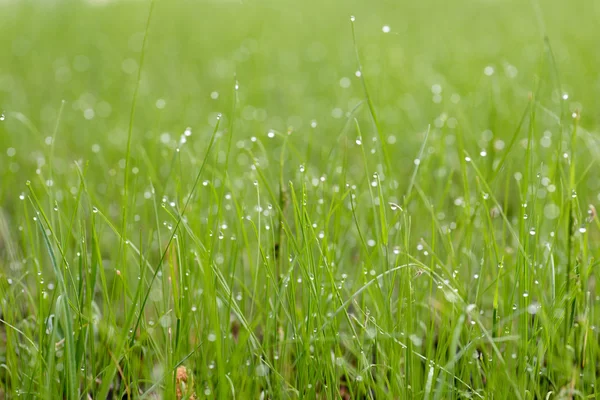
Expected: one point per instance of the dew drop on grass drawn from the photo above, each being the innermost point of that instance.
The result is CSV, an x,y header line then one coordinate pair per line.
x,y
22,196
582,229
262,370
386,29
94,210
2,117
532,231
358,141
352,18
165,321
211,337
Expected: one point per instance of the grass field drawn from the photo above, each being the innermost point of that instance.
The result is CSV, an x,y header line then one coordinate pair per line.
x,y
316,199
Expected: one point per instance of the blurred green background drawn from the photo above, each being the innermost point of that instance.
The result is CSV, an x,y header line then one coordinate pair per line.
x,y
289,58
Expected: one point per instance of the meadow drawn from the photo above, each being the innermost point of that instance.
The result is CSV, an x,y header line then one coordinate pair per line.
x,y
319,199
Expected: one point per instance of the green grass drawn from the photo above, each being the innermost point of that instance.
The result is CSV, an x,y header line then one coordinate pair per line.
x,y
285,202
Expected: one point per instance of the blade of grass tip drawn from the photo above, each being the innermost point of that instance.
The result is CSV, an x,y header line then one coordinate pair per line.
x,y
372,111
130,134
511,143
570,300
366,167
413,178
51,158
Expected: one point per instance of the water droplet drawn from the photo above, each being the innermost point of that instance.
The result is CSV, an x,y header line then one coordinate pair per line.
x,y
532,231
94,210
358,141
385,29
352,18
395,207
2,117
262,370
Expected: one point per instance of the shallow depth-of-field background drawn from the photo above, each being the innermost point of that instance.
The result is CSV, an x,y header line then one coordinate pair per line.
x,y
289,202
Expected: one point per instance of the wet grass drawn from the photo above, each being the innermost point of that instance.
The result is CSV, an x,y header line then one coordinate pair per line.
x,y
276,200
